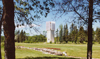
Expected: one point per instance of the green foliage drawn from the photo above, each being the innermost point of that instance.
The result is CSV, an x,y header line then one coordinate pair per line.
x,y
2,44
65,36
61,33
57,36
75,35
27,11
81,34
2,38
35,39
98,35
20,36
50,42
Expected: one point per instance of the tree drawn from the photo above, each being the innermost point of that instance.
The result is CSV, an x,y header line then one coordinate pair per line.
x,y
0,29
93,35
57,36
90,20
28,11
44,33
17,35
76,33
65,37
84,14
0,38
98,35
61,33
9,27
22,12
22,36
64,33
72,33
81,34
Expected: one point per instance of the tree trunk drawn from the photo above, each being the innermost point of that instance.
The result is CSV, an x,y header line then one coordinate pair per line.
x,y
9,28
90,20
0,39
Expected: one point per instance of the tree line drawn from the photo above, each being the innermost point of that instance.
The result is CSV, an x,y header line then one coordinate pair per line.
x,y
75,35
22,37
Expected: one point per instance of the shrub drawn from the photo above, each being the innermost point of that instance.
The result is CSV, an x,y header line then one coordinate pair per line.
x,y
50,42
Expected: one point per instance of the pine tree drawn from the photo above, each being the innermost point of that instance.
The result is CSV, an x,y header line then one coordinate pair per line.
x,y
57,37
76,33
66,33
81,35
98,34
61,33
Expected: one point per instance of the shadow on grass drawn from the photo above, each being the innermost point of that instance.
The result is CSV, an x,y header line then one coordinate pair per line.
x,y
48,58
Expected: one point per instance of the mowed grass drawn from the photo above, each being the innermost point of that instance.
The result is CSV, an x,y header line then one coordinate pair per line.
x,y
75,50
23,53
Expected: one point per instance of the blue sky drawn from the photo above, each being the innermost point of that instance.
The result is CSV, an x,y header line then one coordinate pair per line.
x,y
51,17
58,20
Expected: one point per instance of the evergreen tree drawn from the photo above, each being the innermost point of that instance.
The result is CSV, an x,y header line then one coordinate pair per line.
x,y
57,36
17,35
76,33
81,35
22,36
85,11
61,33
72,33
86,35
65,33
64,36
98,34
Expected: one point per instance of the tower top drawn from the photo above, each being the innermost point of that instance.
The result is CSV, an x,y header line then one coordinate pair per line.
x,y
50,25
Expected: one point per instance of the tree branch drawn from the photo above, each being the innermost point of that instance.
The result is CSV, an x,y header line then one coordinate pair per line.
x,y
78,13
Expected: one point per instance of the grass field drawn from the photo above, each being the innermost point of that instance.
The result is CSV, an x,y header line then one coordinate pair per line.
x,y
75,50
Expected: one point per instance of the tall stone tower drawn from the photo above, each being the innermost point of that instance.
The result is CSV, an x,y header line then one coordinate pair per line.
x,y
50,27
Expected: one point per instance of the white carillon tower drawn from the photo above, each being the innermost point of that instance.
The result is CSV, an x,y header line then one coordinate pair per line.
x,y
50,27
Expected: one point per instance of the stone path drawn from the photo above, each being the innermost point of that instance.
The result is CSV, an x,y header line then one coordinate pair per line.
x,y
45,50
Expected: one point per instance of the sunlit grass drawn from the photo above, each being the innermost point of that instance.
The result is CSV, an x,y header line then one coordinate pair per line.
x,y
22,53
76,50
2,51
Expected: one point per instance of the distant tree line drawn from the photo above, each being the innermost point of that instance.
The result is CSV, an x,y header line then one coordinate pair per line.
x,y
21,36
75,35
35,39
63,35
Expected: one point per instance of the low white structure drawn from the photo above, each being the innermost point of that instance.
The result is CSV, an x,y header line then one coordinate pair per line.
x,y
50,27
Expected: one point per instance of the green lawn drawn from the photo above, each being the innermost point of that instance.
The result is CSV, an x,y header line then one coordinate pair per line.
x,y
76,50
